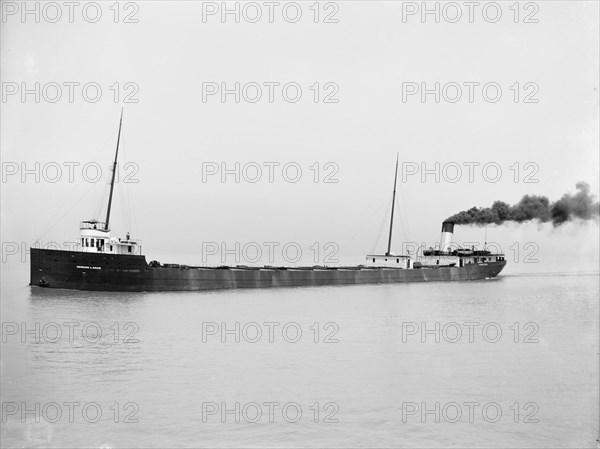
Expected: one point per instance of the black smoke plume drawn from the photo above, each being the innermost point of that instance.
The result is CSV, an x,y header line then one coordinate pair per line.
x,y
581,205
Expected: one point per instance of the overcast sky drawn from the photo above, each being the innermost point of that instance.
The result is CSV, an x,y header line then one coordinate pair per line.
x,y
366,56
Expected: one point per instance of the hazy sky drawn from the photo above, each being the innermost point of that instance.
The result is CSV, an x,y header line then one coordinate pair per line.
x,y
366,57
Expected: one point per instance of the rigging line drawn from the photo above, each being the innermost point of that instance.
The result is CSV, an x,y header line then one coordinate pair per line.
x,y
125,191
109,166
402,219
129,207
380,187
74,189
133,221
405,223
404,229
105,181
132,209
130,203
124,209
398,218
100,150
63,215
367,221
114,172
65,204
381,226
100,205
123,218
389,245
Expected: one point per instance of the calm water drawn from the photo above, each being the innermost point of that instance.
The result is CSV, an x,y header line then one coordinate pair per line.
x,y
369,370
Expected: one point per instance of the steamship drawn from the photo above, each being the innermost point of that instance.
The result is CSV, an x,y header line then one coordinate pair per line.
x,y
107,263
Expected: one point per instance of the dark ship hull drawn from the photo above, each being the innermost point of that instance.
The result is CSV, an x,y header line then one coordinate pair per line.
x,y
108,263
111,272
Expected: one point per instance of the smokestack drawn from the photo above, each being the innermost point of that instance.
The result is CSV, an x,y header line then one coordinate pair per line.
x,y
447,236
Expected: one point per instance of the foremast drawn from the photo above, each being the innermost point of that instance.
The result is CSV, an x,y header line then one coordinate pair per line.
x,y
393,203
95,235
114,171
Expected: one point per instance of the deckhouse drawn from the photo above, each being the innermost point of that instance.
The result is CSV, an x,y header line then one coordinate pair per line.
x,y
95,238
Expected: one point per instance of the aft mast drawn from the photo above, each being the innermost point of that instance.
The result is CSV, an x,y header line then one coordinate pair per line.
x,y
393,202
112,182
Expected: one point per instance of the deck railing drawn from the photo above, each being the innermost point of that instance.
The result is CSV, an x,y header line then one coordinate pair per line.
x,y
98,225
